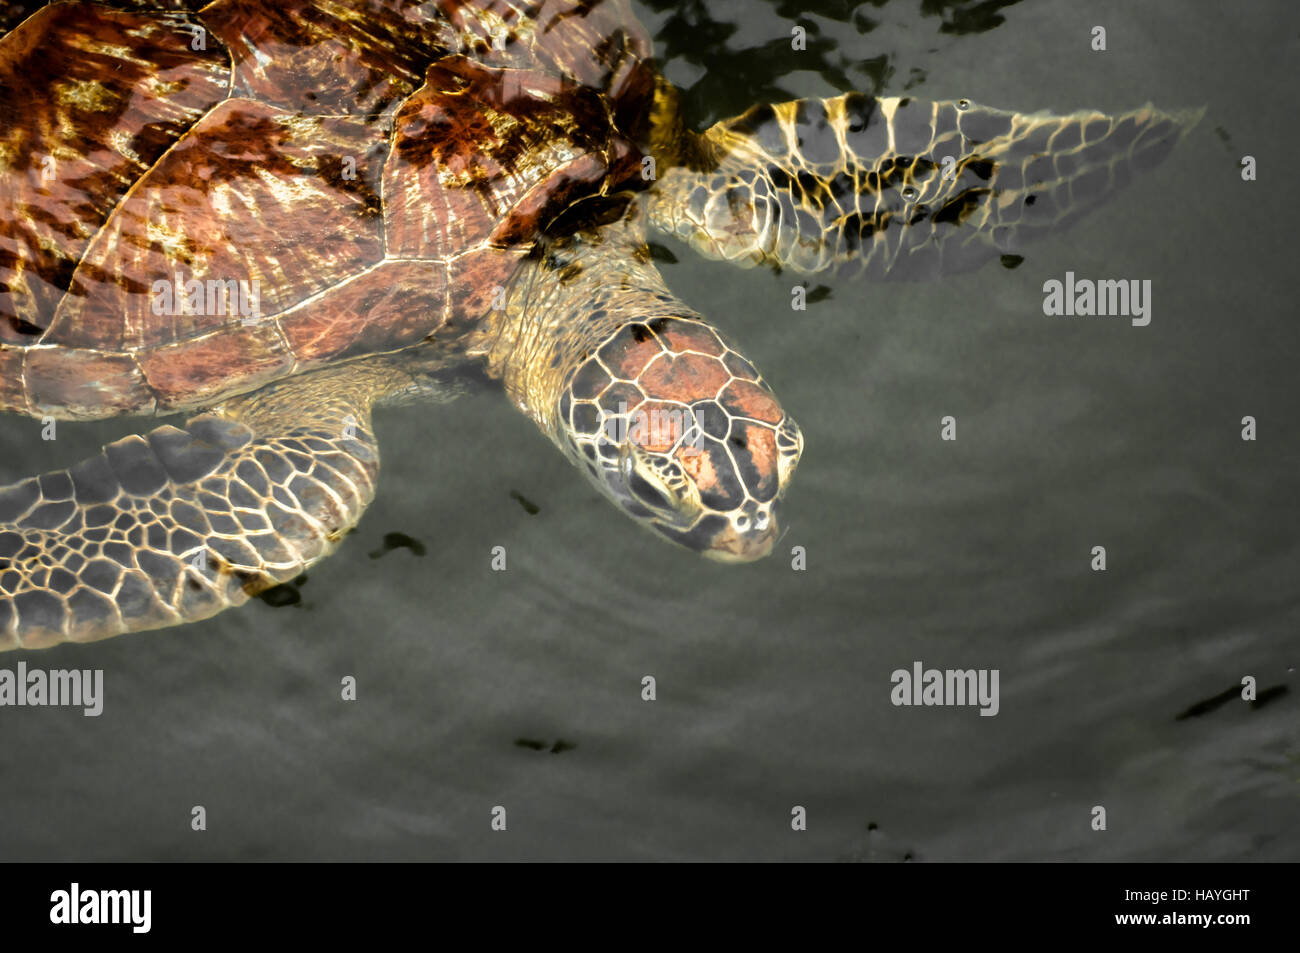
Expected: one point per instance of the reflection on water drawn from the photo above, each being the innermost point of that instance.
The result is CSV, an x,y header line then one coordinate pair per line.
x,y
737,67
772,687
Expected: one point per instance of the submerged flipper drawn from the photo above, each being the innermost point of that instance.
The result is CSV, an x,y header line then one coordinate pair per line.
x,y
899,188
187,521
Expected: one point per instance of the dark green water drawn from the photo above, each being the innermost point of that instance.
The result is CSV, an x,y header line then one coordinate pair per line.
x,y
774,685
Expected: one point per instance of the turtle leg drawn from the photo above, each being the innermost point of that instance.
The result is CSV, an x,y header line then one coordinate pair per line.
x,y
898,188
184,522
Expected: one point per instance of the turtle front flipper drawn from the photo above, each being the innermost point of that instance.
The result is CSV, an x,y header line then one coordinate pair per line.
x,y
899,188
184,522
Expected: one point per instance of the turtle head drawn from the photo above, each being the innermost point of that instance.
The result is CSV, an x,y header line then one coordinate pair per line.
x,y
682,433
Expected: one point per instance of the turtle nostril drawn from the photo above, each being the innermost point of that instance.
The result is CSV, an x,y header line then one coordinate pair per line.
x,y
742,523
761,521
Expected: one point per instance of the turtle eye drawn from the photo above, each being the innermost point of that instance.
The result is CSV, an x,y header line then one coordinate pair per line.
x,y
648,491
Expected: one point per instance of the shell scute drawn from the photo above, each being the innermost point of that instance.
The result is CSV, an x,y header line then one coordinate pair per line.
x,y
202,370
70,377
104,118
259,188
327,58
482,153
223,206
393,305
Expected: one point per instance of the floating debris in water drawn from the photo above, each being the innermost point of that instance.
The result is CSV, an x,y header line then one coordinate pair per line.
x,y
393,541
531,508
285,594
533,744
1208,705
661,253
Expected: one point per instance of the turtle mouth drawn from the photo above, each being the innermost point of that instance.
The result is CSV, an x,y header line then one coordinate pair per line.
x,y
717,538
735,547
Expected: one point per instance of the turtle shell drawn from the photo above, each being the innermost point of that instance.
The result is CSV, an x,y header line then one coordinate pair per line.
x,y
195,204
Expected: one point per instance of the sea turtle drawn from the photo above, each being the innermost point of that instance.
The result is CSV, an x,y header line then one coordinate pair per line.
x,y
278,214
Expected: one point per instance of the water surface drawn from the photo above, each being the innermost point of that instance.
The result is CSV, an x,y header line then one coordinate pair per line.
x,y
774,685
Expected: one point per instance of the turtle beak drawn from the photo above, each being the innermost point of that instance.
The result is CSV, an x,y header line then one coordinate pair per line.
x,y
731,545
717,537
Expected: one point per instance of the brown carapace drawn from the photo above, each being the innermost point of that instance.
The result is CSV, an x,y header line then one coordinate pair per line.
x,y
356,175
279,214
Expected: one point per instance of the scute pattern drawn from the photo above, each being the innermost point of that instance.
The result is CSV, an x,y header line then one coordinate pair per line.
x,y
248,175
499,152
346,199
654,406
324,57
899,188
106,116
730,424
175,526
238,129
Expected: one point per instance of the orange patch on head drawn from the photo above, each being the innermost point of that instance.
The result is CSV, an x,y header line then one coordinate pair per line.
x,y
761,447
630,351
655,426
749,400
686,378
698,466
689,336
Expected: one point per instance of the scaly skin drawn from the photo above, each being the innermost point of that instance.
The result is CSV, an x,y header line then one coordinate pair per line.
x,y
666,419
185,522
540,117
898,188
